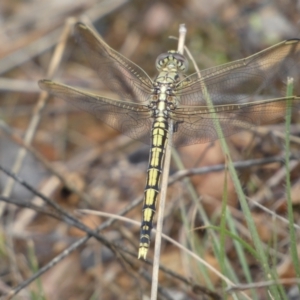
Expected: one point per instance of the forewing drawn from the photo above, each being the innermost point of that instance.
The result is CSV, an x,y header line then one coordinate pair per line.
x,y
119,74
198,124
132,119
260,76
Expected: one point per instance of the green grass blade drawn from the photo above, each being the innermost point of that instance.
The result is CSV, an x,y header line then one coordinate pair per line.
x,y
293,240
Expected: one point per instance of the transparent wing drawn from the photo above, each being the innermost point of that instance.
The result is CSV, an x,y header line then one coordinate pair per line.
x,y
197,124
132,119
260,76
118,73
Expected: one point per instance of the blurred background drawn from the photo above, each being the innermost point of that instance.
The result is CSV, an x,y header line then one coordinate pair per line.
x,y
109,167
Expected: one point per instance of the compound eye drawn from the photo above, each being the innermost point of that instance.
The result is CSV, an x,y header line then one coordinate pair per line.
x,y
161,61
182,62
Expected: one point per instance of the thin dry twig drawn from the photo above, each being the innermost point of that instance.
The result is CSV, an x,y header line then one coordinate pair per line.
x,y
238,165
164,187
262,284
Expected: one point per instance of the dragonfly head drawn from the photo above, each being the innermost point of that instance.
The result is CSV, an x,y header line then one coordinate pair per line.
x,y
170,61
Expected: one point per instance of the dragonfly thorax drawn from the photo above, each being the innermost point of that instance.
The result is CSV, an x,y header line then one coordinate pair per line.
x,y
163,100
171,61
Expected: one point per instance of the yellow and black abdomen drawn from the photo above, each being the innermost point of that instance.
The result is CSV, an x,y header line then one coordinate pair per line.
x,y
158,145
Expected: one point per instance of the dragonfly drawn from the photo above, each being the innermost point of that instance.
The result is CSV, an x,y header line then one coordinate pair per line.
x,y
243,93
